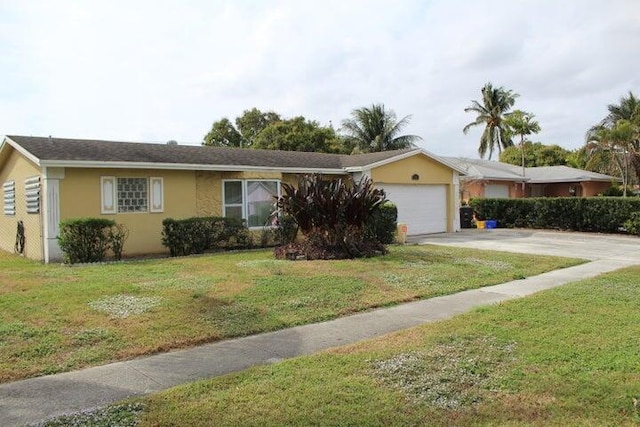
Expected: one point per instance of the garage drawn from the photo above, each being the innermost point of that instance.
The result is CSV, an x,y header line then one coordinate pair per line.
x,y
496,191
422,207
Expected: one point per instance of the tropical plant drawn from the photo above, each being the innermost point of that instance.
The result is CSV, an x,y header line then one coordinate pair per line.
x,y
522,123
491,113
332,215
538,154
375,128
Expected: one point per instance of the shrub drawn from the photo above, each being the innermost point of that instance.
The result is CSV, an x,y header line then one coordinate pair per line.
x,y
383,223
85,239
117,235
632,225
199,234
332,215
595,214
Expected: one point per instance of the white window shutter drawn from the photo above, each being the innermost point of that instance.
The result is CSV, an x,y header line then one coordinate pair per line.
x,y
109,190
156,194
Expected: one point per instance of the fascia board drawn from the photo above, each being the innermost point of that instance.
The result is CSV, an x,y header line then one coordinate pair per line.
x,y
20,149
181,166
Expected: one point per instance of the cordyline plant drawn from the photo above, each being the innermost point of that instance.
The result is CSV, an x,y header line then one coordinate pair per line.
x,y
332,215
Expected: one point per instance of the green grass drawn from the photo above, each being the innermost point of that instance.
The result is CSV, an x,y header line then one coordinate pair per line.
x,y
568,356
56,318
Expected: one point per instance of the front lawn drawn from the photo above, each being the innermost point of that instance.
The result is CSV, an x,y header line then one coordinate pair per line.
x,y
57,318
568,356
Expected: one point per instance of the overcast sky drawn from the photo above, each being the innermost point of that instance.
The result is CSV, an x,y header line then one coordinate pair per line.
x,y
159,70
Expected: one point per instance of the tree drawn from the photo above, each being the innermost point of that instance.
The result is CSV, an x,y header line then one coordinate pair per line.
x,y
256,129
521,123
537,154
611,148
491,113
623,120
373,129
223,134
248,125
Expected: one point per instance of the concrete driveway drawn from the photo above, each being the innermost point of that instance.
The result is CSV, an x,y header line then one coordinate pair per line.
x,y
618,249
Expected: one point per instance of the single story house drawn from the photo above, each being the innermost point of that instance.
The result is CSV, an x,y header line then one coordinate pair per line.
x,y
48,180
487,178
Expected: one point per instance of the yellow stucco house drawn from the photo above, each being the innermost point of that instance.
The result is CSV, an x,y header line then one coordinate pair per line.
x,y
48,180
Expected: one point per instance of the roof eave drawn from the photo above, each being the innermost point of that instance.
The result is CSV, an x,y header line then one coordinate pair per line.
x,y
6,140
183,166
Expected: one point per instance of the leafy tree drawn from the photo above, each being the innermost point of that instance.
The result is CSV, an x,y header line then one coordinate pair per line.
x,y
491,113
373,129
223,134
298,134
537,154
522,123
578,158
333,215
254,121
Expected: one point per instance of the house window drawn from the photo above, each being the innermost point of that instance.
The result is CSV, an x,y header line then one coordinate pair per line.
x,y
32,192
251,200
132,195
9,190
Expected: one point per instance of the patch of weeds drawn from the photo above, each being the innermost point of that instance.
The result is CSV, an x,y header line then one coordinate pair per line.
x,y
448,375
406,280
261,263
301,302
186,283
126,415
91,336
123,306
491,263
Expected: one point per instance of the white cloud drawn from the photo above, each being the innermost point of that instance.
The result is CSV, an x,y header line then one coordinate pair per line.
x,y
160,70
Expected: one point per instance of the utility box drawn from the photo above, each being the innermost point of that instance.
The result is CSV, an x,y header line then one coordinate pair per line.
x,y
466,217
401,233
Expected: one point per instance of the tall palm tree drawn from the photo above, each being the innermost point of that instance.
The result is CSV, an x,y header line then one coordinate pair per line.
x,y
522,123
495,106
375,128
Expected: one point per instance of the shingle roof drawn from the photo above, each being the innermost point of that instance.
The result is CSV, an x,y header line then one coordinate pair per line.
x,y
48,150
492,170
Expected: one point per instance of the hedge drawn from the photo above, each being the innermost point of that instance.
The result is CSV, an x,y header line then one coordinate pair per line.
x,y
89,239
382,224
200,234
595,214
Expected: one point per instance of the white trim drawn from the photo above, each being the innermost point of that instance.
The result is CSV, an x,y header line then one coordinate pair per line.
x,y
244,204
184,166
20,150
156,201
404,156
108,195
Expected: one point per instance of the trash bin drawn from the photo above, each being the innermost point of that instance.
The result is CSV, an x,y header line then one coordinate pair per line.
x,y
466,217
491,223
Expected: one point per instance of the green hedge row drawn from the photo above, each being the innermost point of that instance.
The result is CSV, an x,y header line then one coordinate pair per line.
x,y
382,224
200,234
596,214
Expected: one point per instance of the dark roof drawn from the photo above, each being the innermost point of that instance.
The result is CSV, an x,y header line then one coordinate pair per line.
x,y
84,150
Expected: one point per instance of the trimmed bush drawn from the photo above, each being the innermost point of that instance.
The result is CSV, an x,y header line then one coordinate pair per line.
x,y
85,239
200,234
632,225
594,214
383,223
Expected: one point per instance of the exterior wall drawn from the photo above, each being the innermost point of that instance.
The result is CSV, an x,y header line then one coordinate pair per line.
x,y
475,188
80,196
593,188
420,170
17,168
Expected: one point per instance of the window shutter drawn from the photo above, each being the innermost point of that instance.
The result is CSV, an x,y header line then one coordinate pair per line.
x,y
32,192
9,189
108,187
156,194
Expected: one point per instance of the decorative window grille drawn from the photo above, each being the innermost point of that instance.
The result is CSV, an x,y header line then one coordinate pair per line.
x,y
132,195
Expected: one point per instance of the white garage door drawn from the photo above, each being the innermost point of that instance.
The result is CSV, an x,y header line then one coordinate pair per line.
x,y
496,191
422,207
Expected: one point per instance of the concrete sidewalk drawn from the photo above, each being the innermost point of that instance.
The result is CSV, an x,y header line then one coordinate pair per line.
x,y
37,399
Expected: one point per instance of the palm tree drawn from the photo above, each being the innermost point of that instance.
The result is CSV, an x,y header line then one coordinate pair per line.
x,y
611,148
375,128
496,103
522,123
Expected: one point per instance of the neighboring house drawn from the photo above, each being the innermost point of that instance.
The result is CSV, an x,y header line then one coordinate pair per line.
x,y
486,178
48,180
